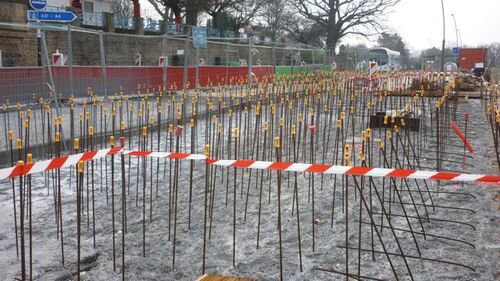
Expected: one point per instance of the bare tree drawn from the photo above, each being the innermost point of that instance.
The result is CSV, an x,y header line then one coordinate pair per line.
x,y
339,18
246,12
218,8
188,8
193,8
279,16
167,7
240,12
305,31
122,8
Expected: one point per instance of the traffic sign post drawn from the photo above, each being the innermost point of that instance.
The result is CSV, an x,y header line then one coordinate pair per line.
x,y
58,16
199,37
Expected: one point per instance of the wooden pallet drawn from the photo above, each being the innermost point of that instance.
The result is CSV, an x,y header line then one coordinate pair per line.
x,y
208,277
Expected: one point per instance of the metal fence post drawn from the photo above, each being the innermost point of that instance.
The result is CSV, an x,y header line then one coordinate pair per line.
x,y
197,81
186,53
70,61
250,62
313,61
103,65
165,64
227,63
273,54
51,77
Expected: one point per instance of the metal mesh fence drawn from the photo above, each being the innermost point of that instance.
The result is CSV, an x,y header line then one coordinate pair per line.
x,y
21,78
57,61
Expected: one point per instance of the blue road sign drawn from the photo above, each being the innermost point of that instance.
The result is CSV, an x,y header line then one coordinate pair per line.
x,y
199,37
38,4
59,16
456,50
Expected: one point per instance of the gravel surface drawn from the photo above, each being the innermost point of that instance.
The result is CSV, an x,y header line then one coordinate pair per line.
x,y
478,202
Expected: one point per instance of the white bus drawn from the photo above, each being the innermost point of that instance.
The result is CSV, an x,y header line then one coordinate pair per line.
x,y
387,60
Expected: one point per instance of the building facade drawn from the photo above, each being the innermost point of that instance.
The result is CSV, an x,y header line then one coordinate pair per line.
x,y
88,6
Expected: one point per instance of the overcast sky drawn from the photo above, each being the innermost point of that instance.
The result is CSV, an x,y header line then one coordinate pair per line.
x,y
420,22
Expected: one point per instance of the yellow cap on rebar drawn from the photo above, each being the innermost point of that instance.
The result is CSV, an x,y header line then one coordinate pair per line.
x,y
58,137
80,167
112,141
293,129
347,155
207,150
362,156
380,144
91,130
76,144
19,143
29,158
347,149
277,142
144,131
236,133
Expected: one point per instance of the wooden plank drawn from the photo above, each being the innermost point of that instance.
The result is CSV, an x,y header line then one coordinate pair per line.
x,y
471,95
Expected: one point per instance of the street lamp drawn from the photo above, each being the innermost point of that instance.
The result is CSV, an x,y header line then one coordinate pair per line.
x,y
444,36
456,29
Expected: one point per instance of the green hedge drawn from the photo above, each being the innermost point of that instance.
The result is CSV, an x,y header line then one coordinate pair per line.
x,y
291,70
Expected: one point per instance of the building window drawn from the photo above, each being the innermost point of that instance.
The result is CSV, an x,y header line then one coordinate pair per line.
x,y
88,7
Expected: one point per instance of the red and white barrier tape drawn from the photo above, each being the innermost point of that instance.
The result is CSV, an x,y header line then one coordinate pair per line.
x,y
57,163
324,168
71,160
